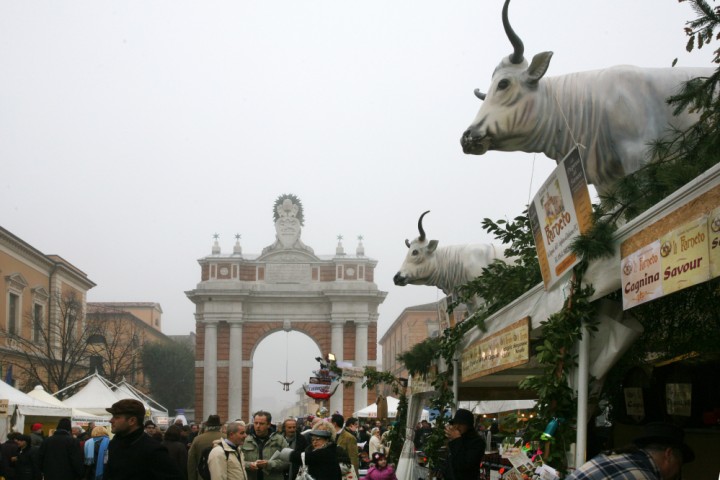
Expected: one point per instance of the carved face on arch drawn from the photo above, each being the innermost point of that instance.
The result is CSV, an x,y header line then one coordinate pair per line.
x,y
419,263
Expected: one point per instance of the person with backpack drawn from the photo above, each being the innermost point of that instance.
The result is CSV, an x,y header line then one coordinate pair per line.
x,y
225,461
202,442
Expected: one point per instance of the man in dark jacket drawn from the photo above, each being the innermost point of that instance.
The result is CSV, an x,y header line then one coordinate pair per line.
x,y
466,447
132,454
60,454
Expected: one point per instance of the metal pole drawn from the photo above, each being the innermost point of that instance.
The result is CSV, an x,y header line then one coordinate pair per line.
x,y
582,402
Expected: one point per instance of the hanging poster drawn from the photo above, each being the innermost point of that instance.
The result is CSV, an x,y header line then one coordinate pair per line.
x,y
678,398
559,213
634,404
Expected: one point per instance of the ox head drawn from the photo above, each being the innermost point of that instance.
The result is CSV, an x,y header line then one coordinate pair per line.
x,y
417,266
510,110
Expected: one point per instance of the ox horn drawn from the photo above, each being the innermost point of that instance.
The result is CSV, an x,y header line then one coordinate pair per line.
x,y
479,94
407,242
518,47
420,228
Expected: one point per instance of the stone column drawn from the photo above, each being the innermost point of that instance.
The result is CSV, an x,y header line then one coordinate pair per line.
x,y
336,348
210,376
235,372
361,357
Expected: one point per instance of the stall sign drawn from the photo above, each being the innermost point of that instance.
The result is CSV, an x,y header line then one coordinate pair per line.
x,y
320,380
353,374
418,384
504,349
677,260
4,403
560,212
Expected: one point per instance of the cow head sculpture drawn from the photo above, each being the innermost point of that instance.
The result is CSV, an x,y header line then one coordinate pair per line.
x,y
511,108
418,265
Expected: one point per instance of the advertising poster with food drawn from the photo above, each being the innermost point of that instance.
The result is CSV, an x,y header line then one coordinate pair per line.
x,y
560,212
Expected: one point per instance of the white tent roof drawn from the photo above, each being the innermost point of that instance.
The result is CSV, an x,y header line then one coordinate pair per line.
x,y
28,405
77,415
94,397
125,390
371,410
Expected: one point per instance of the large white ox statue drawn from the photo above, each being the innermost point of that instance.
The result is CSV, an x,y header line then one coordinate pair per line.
x,y
614,113
444,267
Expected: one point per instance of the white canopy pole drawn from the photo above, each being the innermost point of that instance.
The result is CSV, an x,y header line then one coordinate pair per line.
x,y
582,399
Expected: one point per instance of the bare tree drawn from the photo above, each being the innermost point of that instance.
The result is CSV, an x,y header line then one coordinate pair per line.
x,y
115,344
54,354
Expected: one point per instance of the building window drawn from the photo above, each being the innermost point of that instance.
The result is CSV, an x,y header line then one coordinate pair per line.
x,y
37,322
13,312
96,364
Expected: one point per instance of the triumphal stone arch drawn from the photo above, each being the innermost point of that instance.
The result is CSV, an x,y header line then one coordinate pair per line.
x,y
243,298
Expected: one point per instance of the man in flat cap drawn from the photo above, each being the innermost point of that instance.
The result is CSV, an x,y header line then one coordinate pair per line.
x,y
201,442
466,447
658,455
133,455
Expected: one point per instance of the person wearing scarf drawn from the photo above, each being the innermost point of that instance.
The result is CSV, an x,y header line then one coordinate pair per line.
x,y
96,453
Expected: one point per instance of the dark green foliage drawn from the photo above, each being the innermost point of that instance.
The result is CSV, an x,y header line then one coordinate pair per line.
x,y
418,359
170,367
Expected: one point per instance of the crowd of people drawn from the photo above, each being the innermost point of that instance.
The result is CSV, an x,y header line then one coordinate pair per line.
x,y
309,448
134,447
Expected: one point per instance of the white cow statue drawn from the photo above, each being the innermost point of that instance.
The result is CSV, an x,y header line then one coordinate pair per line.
x,y
613,113
444,267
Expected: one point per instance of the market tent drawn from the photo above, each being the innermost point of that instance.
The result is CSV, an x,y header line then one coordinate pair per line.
x,y
371,410
78,415
94,398
21,405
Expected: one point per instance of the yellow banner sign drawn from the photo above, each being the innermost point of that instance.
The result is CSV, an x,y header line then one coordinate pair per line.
x,y
502,350
677,260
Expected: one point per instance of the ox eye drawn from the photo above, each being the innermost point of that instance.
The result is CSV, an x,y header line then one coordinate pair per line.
x,y
414,252
503,84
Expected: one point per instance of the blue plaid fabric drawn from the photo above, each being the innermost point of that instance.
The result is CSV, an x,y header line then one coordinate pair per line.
x,y
627,466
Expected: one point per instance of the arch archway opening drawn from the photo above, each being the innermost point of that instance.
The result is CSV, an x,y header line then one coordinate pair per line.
x,y
280,352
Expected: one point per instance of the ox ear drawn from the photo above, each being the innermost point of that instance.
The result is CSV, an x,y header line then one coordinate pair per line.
x,y
432,245
538,67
